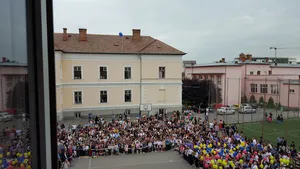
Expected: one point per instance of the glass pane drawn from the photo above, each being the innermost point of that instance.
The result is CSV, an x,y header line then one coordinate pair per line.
x,y
14,115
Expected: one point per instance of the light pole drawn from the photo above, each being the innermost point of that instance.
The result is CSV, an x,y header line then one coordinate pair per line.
x,y
275,49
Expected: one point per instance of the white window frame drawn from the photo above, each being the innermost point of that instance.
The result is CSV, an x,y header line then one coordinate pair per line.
x,y
124,96
164,72
261,88
100,73
73,72
74,97
274,90
100,96
124,72
292,91
255,87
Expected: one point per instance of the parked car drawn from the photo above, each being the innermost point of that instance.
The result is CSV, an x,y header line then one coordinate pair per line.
x,y
225,110
254,105
247,110
4,116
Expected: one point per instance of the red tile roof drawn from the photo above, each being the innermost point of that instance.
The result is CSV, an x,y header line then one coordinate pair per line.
x,y
112,44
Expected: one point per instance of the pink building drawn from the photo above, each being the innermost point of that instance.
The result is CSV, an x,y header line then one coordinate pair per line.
x,y
11,73
246,78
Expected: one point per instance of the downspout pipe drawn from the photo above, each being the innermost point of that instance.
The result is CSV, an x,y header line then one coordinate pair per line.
x,y
141,75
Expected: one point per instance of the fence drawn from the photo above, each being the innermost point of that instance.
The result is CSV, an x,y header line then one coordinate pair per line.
x,y
268,94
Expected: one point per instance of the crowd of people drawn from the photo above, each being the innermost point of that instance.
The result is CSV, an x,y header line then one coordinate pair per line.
x,y
202,143
15,149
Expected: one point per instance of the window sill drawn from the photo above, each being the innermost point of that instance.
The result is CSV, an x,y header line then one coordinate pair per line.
x,y
77,103
103,102
127,102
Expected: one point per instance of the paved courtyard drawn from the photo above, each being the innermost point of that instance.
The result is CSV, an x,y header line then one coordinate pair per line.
x,y
165,160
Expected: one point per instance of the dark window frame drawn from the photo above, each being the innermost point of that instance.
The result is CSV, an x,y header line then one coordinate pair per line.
x,y
127,96
103,72
42,94
162,72
103,93
127,72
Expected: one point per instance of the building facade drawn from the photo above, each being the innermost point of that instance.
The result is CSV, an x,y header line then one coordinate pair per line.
x,y
106,74
12,73
245,78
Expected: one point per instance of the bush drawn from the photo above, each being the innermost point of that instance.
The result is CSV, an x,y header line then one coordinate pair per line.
x,y
271,103
252,99
244,99
261,100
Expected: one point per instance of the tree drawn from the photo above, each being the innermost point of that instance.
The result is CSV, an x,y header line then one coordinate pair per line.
x,y
271,103
261,100
252,99
18,97
197,92
244,99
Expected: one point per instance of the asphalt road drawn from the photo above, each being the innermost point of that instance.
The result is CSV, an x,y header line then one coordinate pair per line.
x,y
165,160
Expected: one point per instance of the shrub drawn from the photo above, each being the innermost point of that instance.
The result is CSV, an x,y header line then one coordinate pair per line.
x,y
252,99
271,103
244,99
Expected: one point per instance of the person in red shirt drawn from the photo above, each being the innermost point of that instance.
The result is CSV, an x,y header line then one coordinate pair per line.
x,y
220,124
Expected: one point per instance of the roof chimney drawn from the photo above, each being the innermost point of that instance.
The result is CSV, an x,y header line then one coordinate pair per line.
x,y
82,34
4,59
249,57
267,59
242,57
65,34
136,35
223,60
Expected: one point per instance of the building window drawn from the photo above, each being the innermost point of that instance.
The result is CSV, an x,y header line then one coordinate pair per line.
x,y
292,91
251,73
103,96
77,72
212,77
78,97
206,77
274,89
162,72
253,88
127,96
103,72
219,80
263,88
200,77
258,72
127,73
270,72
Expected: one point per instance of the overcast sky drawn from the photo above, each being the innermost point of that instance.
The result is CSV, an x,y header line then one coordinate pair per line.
x,y
206,30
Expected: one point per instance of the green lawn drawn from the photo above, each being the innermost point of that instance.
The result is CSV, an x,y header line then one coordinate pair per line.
x,y
290,130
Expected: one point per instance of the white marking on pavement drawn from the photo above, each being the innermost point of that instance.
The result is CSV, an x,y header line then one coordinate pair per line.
x,y
90,162
136,164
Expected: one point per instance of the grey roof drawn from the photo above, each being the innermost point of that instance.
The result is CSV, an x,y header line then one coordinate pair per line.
x,y
230,63
13,64
285,65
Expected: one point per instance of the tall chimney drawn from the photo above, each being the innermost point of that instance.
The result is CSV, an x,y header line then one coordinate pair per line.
x,y
65,34
82,34
136,35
